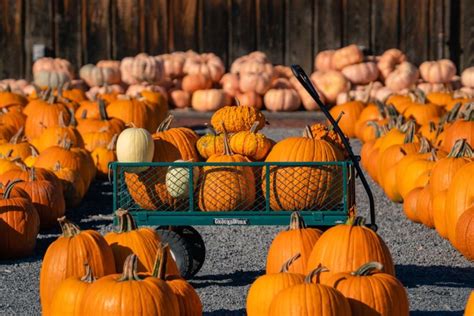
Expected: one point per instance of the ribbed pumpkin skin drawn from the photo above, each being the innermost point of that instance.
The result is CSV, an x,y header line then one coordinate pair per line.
x,y
253,145
142,242
266,287
237,118
65,258
418,206
439,213
189,302
443,172
302,188
67,299
460,196
148,296
181,139
209,145
465,233
42,115
352,111
376,294
236,184
297,239
309,300
19,225
346,247
132,111
410,205
458,130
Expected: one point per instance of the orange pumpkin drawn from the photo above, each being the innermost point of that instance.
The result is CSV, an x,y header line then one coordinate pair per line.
x,y
296,240
465,233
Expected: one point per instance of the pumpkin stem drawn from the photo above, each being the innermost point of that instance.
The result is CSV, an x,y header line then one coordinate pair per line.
x,y
72,121
130,269
8,88
237,102
52,99
469,112
102,110
34,151
425,146
453,114
113,143
356,221
339,117
368,268
432,127
88,276
211,129
410,133
296,221
159,268
84,114
378,131
457,149
307,132
254,127
61,119
17,136
315,273
286,266
227,150
367,92
9,187
126,221
32,175
165,125
46,94
381,108
68,228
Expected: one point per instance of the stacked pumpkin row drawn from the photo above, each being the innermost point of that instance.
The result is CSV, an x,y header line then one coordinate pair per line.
x,y
348,268
234,138
125,272
418,148
56,143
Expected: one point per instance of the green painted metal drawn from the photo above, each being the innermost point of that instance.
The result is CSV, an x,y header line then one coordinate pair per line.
x,y
259,214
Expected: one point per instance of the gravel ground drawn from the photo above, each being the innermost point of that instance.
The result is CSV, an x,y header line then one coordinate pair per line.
x,y
438,278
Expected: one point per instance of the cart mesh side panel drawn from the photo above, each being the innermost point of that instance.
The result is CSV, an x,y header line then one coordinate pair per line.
x,y
232,187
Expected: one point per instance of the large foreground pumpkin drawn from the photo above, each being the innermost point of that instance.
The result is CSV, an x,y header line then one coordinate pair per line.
x,y
19,222
143,242
129,293
66,256
304,188
266,287
298,239
465,233
370,292
347,246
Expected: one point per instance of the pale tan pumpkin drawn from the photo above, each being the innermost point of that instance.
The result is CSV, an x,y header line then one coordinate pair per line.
x,y
330,84
180,99
389,61
230,84
209,100
107,72
255,81
404,76
467,77
323,60
194,82
142,68
208,65
361,73
346,56
251,98
440,71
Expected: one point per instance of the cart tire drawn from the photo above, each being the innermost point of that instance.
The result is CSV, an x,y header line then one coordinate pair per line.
x,y
179,250
196,246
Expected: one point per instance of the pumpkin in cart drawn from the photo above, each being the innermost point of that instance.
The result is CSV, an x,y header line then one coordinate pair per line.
x,y
210,144
226,188
237,118
264,289
178,180
251,144
304,188
298,239
20,222
65,258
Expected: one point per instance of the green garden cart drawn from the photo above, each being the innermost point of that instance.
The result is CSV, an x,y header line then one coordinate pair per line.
x,y
176,196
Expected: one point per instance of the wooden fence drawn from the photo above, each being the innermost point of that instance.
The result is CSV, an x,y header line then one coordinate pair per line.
x,y
289,31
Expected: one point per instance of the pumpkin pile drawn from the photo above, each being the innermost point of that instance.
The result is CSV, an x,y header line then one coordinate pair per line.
x,y
132,263
347,270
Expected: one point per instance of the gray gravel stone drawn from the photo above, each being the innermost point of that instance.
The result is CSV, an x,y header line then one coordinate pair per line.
x,y
438,279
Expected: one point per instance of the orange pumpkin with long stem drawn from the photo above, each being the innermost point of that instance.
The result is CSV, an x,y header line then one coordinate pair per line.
x,y
371,292
65,258
298,239
264,289
18,147
143,242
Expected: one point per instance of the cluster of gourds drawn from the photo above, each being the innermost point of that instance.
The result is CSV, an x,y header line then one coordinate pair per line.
x,y
52,146
348,268
418,148
234,137
190,79
124,272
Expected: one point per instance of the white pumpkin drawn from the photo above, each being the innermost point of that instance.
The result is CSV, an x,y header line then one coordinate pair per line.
x,y
135,145
51,79
177,180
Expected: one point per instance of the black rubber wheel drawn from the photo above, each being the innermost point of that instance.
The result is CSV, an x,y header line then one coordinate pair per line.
x,y
179,250
196,246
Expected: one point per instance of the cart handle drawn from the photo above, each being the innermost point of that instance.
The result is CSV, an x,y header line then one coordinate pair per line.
x,y
307,84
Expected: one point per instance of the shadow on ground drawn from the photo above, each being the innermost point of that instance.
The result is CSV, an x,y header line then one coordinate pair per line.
x,y
436,313
237,278
226,312
415,276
